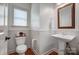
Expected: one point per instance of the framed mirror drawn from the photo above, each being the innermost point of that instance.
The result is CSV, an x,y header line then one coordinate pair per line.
x,y
66,16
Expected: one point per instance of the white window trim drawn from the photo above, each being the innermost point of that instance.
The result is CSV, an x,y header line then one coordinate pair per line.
x,y
4,24
26,19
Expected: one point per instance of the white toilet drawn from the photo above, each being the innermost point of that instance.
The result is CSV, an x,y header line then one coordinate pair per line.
x,y
21,47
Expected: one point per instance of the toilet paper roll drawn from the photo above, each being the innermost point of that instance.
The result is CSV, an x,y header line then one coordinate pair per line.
x,y
34,43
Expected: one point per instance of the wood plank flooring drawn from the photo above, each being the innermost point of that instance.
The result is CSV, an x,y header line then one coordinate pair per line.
x,y
30,52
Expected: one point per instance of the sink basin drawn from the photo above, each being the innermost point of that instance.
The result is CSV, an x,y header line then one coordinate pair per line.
x,y
65,37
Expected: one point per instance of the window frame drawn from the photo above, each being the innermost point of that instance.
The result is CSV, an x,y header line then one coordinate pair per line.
x,y
17,8
6,16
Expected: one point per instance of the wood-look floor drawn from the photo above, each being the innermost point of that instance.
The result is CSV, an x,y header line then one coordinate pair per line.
x,y
30,52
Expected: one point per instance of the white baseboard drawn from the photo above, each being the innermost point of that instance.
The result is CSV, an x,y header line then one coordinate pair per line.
x,y
49,51
11,51
35,52
45,53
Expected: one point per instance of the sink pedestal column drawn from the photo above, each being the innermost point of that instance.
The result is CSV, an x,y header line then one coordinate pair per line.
x,y
61,47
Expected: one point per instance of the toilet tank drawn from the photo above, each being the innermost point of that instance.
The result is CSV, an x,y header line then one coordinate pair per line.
x,y
20,40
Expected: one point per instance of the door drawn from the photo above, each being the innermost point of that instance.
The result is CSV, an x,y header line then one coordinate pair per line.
x,y
3,28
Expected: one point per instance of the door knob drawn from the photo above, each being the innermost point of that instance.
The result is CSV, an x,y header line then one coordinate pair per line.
x,y
7,38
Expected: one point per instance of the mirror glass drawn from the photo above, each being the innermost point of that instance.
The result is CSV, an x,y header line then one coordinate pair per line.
x,y
66,17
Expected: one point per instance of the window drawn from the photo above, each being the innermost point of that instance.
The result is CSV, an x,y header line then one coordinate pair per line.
x,y
20,17
3,15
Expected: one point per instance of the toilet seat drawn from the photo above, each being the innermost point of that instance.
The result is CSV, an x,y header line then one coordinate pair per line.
x,y
21,48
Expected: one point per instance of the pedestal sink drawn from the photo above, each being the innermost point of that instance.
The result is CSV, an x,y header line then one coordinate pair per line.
x,y
62,39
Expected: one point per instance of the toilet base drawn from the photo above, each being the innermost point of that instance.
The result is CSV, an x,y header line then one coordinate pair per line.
x,y
21,49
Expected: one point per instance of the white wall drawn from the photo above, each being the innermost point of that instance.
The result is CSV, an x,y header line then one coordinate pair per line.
x,y
46,18
35,24
43,14
35,16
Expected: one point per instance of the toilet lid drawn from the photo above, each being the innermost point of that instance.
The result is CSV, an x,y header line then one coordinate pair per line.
x,y
21,47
